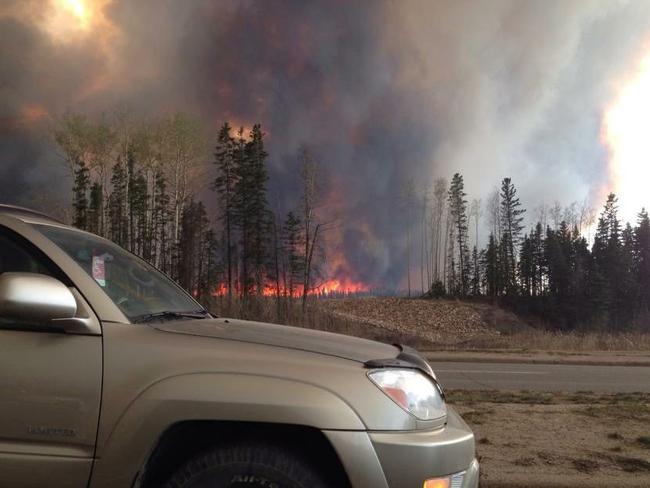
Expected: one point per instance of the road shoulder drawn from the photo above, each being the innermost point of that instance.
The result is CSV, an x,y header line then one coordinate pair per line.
x,y
559,440
588,358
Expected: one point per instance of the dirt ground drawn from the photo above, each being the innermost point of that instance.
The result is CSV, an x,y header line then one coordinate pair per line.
x,y
529,439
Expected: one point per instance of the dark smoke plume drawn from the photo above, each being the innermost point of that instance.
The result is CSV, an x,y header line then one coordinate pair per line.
x,y
381,93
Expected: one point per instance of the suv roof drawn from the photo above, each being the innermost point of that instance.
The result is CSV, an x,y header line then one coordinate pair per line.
x,y
25,213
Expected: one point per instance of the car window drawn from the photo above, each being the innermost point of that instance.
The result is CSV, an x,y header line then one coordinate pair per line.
x,y
136,287
16,257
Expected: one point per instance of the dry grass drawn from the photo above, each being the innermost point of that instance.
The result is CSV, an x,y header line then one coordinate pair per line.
x,y
542,340
315,316
428,324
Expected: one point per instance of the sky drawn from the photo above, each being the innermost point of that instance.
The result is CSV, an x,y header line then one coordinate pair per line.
x,y
553,94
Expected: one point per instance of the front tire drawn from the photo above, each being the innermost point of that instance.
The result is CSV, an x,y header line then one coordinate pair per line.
x,y
247,466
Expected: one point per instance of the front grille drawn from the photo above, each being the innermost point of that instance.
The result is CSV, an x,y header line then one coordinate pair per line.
x,y
457,480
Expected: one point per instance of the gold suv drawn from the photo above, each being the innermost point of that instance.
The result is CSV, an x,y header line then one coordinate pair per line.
x,y
111,376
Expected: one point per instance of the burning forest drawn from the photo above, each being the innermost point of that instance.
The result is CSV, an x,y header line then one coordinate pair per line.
x,y
134,183
352,120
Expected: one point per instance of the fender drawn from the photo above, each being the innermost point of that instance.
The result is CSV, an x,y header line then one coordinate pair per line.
x,y
212,396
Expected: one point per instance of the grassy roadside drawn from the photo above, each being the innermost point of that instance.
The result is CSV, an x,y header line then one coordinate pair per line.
x,y
477,330
533,439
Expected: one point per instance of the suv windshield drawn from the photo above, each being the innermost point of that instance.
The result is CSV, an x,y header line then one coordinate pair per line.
x,y
138,289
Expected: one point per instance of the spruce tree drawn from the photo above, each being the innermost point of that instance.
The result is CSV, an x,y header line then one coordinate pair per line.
x,y
224,185
537,257
116,205
526,266
492,276
477,272
251,213
511,215
458,212
607,259
80,195
642,261
294,257
95,208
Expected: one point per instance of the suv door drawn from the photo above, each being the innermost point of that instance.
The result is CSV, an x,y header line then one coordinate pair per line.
x,y
50,389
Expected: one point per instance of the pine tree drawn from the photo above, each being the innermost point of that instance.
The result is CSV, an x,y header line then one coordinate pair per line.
x,y
580,280
80,195
526,266
139,204
224,185
251,213
212,268
116,205
642,265
492,266
607,258
95,208
557,256
537,257
477,272
196,245
458,212
136,203
511,215
627,292
292,250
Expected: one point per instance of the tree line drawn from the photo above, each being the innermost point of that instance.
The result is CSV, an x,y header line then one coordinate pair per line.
x,y
139,184
551,271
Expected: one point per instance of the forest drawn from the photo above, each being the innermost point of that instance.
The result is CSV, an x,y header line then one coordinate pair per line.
x,y
138,183
551,270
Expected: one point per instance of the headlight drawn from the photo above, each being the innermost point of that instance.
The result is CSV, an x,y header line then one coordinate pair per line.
x,y
412,391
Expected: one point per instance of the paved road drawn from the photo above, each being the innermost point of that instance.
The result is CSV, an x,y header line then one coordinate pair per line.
x,y
542,377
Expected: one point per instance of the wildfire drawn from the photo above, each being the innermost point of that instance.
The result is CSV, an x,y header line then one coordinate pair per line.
x,y
343,286
625,133
333,287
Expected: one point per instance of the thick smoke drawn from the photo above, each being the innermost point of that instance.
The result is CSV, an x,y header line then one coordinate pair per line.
x,y
381,93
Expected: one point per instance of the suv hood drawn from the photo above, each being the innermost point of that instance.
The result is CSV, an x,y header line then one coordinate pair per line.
x,y
316,341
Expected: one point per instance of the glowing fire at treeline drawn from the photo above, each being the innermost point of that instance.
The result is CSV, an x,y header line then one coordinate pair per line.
x,y
131,186
328,288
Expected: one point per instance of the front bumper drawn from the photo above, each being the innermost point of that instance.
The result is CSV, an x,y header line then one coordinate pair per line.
x,y
407,459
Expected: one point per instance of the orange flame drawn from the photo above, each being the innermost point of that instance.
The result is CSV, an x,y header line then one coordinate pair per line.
x,y
341,286
332,287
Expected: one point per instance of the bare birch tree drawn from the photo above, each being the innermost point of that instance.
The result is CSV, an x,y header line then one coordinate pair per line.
x,y
439,207
184,150
494,214
407,201
311,175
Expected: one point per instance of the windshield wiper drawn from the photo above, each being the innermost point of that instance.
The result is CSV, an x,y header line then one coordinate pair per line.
x,y
168,314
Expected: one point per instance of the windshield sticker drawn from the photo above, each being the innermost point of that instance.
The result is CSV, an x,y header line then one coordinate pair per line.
x,y
99,270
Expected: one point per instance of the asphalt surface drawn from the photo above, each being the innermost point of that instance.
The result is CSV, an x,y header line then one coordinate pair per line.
x,y
542,377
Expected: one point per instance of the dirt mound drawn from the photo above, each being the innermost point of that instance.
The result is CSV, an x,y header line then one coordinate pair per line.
x,y
435,321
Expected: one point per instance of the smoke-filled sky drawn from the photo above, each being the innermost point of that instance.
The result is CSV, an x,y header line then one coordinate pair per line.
x,y
554,94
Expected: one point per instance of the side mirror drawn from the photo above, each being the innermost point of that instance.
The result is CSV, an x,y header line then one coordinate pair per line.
x,y
35,298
